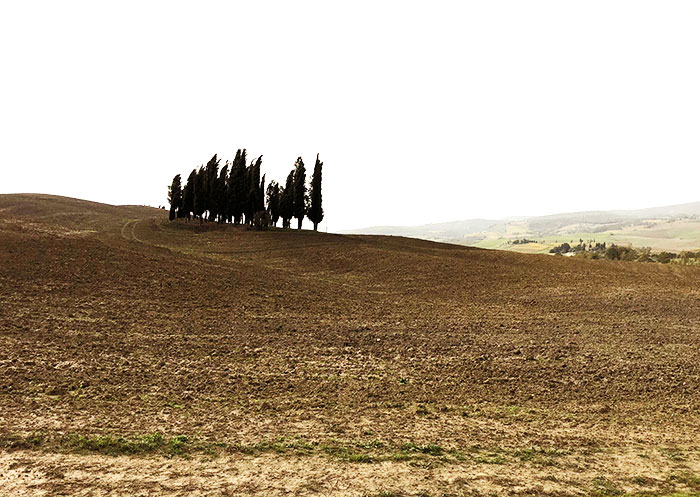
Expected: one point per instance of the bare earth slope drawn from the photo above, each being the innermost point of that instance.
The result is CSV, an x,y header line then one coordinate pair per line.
x,y
307,363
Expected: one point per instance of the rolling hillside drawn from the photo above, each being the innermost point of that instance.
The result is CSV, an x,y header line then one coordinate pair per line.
x,y
673,228
224,361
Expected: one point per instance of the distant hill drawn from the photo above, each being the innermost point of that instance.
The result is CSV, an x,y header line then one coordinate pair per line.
x,y
675,227
453,230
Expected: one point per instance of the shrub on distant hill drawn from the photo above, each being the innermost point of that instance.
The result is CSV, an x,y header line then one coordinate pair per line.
x,y
561,249
612,252
665,257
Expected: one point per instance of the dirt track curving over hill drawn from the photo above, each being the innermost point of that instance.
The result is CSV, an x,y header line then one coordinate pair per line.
x,y
389,364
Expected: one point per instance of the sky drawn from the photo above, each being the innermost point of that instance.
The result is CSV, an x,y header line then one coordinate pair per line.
x,y
421,111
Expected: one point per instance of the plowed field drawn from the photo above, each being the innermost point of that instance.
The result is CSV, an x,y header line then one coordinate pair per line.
x,y
143,357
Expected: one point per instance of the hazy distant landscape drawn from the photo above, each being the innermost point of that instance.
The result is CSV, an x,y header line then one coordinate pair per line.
x,y
674,228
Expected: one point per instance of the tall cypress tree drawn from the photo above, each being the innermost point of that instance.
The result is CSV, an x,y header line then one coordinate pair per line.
x,y
200,194
315,209
299,191
273,201
239,186
210,180
261,195
220,196
253,189
231,188
188,195
287,200
175,197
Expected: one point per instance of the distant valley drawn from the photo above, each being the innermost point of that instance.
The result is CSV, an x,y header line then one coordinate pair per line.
x,y
674,228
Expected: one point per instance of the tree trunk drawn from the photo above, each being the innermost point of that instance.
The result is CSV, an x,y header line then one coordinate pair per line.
x,y
299,225
315,226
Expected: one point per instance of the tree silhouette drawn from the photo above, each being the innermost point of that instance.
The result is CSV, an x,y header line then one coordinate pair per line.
x,y
315,209
299,191
273,202
210,180
287,200
236,193
238,187
220,194
253,187
175,197
200,194
188,195
260,197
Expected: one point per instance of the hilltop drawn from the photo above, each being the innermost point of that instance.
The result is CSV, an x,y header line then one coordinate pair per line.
x,y
675,228
286,361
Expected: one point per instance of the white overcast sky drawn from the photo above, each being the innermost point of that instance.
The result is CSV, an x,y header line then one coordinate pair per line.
x,y
421,111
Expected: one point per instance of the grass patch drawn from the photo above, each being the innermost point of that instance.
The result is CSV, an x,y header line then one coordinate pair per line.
x,y
281,445
372,444
602,487
686,478
430,449
673,454
489,458
539,456
401,456
33,441
177,444
365,458
107,444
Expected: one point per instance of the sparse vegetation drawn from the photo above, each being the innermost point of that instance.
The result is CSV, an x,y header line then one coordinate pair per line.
x,y
605,488
619,253
561,249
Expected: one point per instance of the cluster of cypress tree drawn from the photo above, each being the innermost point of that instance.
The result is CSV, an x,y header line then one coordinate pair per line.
x,y
236,194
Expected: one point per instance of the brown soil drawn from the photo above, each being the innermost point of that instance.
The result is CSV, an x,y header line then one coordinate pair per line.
x,y
114,321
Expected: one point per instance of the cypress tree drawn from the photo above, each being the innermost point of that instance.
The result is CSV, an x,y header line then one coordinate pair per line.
x,y
200,194
315,209
188,195
273,201
299,191
261,195
175,197
238,193
210,180
253,187
231,188
287,200
220,196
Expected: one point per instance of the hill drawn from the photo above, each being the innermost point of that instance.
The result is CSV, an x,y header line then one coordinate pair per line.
x,y
283,361
674,228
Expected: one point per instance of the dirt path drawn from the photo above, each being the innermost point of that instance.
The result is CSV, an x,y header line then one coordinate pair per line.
x,y
128,230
